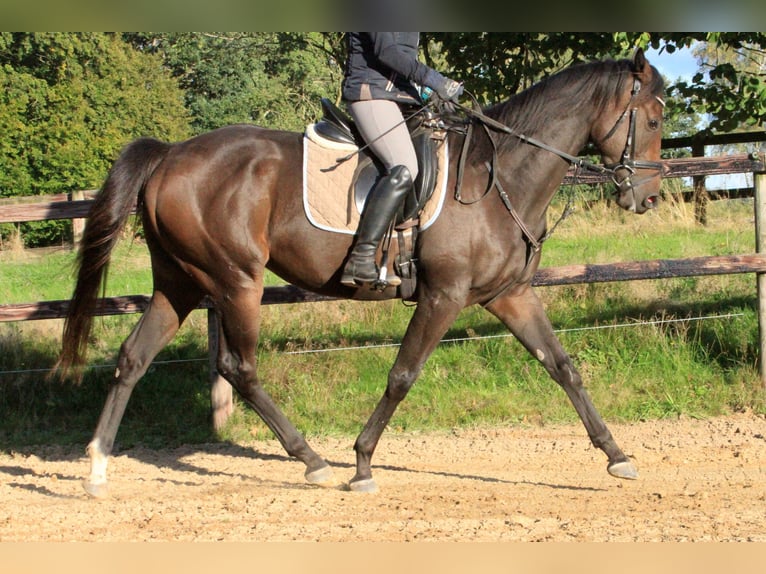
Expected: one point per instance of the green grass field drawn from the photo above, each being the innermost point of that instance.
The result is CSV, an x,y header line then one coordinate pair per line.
x,y
646,349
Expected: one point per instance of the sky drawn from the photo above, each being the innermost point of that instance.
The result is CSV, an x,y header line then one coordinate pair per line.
x,y
679,64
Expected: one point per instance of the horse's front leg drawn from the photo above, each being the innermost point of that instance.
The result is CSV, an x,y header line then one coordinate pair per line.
x,y
431,319
523,313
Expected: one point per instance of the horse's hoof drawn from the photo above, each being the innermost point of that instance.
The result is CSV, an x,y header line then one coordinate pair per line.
x,y
624,469
366,485
96,490
322,476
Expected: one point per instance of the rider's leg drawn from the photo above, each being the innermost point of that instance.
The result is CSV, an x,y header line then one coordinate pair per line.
x,y
379,210
383,128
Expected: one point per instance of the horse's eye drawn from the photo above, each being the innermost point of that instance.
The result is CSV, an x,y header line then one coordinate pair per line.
x,y
654,124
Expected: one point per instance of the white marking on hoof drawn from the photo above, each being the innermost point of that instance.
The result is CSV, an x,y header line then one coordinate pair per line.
x,y
99,491
95,484
367,485
322,477
624,470
540,355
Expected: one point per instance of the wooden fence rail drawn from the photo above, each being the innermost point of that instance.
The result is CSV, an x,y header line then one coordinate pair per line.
x,y
754,163
545,277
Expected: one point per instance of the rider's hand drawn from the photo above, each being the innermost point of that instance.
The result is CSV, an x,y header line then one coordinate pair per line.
x,y
450,90
447,90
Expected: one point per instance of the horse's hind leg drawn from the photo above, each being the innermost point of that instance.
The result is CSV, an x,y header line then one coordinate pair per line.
x,y
523,313
240,325
154,330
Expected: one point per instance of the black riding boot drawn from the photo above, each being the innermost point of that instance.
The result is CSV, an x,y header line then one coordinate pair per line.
x,y
378,213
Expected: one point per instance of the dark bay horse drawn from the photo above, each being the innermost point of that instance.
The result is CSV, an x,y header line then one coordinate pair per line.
x,y
220,208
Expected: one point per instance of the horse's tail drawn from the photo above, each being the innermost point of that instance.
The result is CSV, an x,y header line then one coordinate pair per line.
x,y
122,190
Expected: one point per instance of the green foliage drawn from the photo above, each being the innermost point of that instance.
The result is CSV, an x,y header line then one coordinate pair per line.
x,y
271,79
45,233
730,86
68,103
495,64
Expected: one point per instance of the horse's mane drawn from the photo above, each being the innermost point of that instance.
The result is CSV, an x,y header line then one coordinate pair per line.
x,y
588,85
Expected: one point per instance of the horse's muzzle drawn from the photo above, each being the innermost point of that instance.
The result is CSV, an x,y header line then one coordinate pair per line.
x,y
651,202
630,199
629,187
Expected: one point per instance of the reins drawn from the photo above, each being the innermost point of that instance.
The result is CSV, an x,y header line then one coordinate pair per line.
x,y
627,162
486,122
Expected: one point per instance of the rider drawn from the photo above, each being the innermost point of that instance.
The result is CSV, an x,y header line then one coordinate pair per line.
x,y
383,71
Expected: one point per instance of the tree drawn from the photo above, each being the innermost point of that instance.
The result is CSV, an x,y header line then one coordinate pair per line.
x,y
497,64
732,92
68,103
271,79
731,82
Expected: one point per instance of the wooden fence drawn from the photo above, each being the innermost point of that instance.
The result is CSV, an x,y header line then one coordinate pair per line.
x,y
694,167
697,143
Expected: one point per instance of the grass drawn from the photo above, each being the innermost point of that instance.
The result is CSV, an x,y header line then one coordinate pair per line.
x,y
638,345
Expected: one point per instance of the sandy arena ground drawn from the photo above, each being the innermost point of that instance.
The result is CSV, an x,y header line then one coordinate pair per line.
x,y
699,481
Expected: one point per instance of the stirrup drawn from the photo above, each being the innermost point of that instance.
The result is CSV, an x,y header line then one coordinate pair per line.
x,y
386,280
380,283
383,279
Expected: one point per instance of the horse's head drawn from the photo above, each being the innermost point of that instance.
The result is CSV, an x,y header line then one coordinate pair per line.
x,y
629,135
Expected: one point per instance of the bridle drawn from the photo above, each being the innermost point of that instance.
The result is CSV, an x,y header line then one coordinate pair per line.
x,y
627,161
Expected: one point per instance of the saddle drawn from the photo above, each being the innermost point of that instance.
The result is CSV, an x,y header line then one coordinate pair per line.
x,y
336,129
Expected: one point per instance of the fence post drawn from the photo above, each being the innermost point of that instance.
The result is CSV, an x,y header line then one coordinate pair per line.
x,y
759,191
700,193
221,396
78,224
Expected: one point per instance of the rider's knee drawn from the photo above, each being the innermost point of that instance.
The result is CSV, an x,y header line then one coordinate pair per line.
x,y
401,175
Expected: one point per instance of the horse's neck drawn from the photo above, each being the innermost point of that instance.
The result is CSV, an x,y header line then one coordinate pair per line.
x,y
534,175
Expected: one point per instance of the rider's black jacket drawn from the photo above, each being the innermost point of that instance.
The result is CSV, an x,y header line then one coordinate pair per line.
x,y
384,65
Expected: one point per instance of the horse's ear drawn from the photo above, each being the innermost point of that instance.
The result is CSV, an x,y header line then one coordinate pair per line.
x,y
640,63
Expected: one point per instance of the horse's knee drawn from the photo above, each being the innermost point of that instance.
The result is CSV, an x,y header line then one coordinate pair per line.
x,y
563,371
399,384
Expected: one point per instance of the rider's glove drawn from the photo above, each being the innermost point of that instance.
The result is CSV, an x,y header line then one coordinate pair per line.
x,y
447,90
